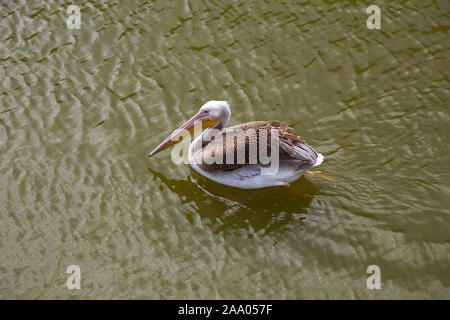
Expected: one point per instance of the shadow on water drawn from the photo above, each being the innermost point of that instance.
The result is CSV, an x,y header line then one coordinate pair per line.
x,y
229,210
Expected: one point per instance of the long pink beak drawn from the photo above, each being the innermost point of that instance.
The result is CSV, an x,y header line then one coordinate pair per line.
x,y
181,132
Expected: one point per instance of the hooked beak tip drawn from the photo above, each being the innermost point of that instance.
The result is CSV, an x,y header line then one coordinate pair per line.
x,y
156,150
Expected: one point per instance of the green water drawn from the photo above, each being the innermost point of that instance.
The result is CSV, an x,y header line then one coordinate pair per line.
x,y
80,110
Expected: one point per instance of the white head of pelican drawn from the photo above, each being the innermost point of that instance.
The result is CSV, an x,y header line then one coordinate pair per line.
x,y
238,156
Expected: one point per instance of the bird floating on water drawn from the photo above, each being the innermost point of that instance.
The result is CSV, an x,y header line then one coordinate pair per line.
x,y
235,156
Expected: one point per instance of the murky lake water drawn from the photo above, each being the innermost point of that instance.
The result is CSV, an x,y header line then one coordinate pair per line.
x,y
80,110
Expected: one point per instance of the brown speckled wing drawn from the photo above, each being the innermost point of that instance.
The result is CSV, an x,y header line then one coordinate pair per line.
x,y
246,137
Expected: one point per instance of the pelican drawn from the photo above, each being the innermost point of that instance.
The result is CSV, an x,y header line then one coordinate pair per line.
x,y
216,141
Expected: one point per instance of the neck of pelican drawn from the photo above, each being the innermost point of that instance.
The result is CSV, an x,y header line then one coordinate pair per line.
x,y
205,137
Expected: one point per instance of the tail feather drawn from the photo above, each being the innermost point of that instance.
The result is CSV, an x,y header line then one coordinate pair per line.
x,y
303,151
319,159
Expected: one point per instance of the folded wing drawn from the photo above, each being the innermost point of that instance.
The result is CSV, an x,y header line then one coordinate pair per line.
x,y
222,152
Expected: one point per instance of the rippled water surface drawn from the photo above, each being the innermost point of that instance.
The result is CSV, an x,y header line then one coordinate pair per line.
x,y
80,110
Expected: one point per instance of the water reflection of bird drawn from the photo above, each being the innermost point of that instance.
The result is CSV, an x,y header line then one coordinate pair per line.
x,y
245,168
224,209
